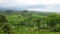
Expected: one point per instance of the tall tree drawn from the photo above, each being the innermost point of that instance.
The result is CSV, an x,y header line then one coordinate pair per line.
x,y
4,24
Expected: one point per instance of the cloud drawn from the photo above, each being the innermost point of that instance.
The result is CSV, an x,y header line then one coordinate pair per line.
x,y
27,2
42,5
50,8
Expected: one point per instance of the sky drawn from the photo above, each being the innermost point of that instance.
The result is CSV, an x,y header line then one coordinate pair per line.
x,y
35,5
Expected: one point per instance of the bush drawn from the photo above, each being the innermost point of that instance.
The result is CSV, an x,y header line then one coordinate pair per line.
x,y
3,18
55,30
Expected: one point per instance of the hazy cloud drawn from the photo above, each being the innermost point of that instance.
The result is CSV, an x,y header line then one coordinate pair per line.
x,y
40,5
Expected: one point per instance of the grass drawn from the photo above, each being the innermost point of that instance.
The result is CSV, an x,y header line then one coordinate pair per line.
x,y
38,33
34,33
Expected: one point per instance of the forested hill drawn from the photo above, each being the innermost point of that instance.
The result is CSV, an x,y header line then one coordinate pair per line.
x,y
25,12
27,22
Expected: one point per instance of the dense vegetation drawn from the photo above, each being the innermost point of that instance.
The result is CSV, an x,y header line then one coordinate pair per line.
x,y
29,22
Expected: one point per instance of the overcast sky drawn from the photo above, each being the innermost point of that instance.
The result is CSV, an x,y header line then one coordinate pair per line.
x,y
39,5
